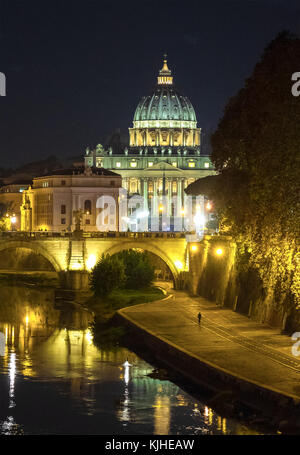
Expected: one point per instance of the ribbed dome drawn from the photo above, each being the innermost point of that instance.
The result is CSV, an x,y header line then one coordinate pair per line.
x,y
165,104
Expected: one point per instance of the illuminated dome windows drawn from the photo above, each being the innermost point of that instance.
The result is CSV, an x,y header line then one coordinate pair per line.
x,y
169,115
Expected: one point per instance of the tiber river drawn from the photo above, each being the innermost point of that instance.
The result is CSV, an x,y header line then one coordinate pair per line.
x,y
54,380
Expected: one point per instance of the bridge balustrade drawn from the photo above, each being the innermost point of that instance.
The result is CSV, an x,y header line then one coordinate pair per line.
x,y
98,234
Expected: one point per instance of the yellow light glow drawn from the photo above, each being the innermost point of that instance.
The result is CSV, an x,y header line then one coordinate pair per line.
x,y
91,261
89,336
219,251
182,211
179,265
27,320
13,219
194,248
43,227
161,208
208,206
76,266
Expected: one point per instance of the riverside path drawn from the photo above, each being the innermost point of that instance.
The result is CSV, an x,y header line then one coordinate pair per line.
x,y
252,353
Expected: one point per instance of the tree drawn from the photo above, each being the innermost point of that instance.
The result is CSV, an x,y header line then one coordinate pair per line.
x,y
107,275
256,151
138,270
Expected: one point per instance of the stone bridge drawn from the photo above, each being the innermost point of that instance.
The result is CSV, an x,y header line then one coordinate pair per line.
x,y
72,255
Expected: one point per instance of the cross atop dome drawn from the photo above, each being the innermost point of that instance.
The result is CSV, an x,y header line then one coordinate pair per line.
x,y
165,77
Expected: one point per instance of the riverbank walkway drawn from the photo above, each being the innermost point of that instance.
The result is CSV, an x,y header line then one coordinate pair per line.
x,y
224,339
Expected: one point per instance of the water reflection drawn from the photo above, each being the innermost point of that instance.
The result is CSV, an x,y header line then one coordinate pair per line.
x,y
53,379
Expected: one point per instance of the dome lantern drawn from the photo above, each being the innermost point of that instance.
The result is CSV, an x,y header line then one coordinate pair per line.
x,y
165,74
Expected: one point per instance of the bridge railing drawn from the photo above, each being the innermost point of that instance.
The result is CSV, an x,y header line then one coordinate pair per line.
x,y
23,235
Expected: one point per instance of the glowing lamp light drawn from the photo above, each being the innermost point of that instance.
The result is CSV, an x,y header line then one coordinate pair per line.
x,y
182,211
194,248
219,251
161,208
76,266
27,320
91,261
13,219
208,206
179,265
89,337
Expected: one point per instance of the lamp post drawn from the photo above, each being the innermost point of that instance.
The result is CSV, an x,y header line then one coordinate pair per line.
x,y
13,220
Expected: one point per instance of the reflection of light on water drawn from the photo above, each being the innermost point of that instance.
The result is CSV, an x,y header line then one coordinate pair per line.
x,y
224,426
210,416
124,413
162,414
126,375
8,425
12,375
181,400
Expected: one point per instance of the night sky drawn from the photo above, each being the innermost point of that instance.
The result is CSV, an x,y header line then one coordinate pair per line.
x,y
76,70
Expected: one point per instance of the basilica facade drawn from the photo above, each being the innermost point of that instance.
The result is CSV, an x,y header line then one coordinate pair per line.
x,y
164,153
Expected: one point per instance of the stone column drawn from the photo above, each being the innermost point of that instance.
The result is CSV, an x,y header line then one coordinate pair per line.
x,y
155,182
125,183
145,193
170,196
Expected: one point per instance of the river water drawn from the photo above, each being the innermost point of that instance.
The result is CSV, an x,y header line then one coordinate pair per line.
x,y
54,380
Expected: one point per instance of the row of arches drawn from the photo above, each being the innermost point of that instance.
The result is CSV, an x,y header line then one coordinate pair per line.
x,y
37,257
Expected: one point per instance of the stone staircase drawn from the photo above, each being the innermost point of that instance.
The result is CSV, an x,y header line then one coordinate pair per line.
x,y
77,255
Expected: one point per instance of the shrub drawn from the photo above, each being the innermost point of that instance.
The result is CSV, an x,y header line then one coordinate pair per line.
x,y
107,275
138,270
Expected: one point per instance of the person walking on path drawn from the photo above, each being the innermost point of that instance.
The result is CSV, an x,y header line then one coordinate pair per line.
x,y
199,317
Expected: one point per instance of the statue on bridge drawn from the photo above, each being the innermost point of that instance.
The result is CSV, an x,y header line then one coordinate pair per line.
x,y
77,215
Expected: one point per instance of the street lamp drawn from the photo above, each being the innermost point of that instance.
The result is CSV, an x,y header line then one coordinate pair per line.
x,y
13,220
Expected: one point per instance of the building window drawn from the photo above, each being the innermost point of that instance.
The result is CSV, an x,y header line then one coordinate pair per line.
x,y
87,221
118,164
150,164
63,209
99,162
63,221
174,163
133,163
133,185
191,163
88,207
63,182
206,165
45,184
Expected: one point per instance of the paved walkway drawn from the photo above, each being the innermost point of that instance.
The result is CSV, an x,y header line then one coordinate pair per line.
x,y
224,339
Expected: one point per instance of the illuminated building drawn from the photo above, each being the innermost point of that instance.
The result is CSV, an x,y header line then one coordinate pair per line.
x,y
11,198
164,154
50,203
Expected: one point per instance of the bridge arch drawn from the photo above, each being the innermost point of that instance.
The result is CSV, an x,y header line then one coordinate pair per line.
x,y
33,246
121,246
